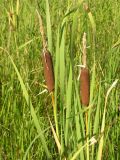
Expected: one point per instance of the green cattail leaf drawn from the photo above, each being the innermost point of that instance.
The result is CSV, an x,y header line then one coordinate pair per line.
x,y
92,22
62,62
99,155
74,9
97,119
81,113
72,37
68,105
92,84
78,127
57,57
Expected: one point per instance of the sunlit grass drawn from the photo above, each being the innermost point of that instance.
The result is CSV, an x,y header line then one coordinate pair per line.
x,y
27,126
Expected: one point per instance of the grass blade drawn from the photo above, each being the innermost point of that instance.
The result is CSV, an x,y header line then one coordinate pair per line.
x,y
68,105
99,156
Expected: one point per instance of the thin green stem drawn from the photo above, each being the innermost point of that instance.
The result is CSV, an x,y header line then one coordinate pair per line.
x,y
55,114
87,138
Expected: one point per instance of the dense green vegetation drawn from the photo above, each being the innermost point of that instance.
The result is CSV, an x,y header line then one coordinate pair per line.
x,y
26,112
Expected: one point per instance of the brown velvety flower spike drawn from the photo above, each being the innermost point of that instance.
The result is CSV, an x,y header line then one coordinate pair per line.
x,y
85,86
48,70
84,77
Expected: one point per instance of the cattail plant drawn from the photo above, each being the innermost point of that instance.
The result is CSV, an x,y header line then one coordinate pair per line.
x,y
48,70
84,77
47,60
85,88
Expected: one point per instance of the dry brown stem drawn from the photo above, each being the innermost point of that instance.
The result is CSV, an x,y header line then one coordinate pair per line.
x,y
42,31
84,49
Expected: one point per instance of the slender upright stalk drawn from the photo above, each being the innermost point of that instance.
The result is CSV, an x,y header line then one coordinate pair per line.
x,y
55,113
48,71
85,89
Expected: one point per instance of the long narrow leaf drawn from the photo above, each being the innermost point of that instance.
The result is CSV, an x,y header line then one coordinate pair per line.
x,y
99,156
68,105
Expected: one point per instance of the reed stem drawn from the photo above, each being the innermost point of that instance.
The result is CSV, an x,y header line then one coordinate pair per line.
x,y
87,138
55,113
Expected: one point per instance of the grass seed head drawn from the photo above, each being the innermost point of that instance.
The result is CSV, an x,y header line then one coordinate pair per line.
x,y
48,70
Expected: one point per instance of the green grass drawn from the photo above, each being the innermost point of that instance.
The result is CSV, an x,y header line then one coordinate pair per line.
x,y
25,128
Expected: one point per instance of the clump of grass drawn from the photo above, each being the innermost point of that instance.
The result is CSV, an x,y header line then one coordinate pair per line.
x,y
79,137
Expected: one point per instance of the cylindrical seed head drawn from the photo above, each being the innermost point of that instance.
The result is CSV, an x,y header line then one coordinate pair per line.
x,y
85,86
48,70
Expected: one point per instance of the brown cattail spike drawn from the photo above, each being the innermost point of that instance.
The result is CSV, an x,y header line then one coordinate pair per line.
x,y
48,70
85,86
84,77
47,59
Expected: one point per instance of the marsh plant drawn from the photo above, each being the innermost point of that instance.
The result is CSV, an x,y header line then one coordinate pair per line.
x,y
59,84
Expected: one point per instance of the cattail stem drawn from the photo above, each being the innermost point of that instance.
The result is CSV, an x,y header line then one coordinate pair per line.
x,y
84,50
87,138
84,77
55,113
42,30
85,89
